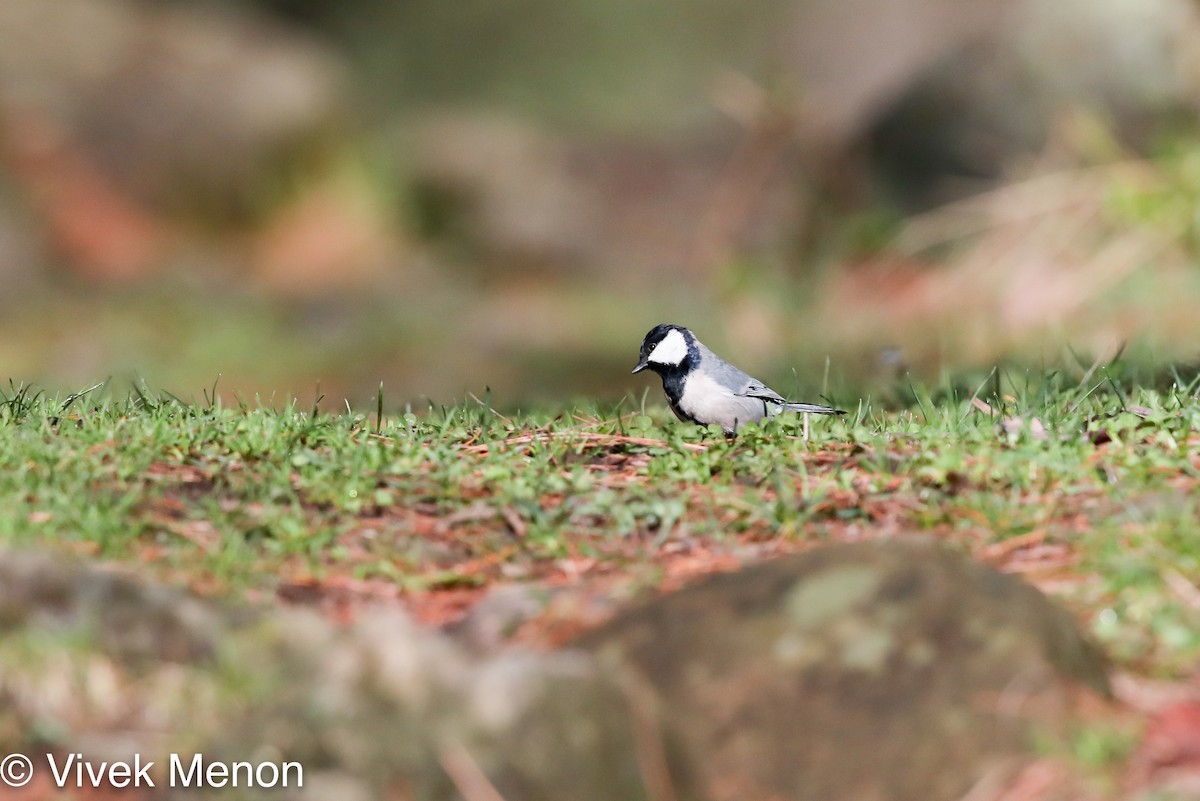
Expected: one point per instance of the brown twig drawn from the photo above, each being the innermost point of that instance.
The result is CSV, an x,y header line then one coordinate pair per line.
x,y
647,739
468,778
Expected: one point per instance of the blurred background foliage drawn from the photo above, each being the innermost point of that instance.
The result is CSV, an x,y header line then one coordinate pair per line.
x,y
451,197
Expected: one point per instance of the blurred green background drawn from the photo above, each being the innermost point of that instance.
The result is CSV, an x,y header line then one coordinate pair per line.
x,y
295,197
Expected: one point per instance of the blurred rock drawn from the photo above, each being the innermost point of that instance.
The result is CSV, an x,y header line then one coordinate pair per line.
x,y
96,663
497,616
119,117
930,100
543,614
976,114
168,98
853,58
138,624
1130,55
499,187
776,680
771,682
519,198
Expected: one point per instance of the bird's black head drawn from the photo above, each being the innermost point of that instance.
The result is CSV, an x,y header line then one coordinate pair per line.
x,y
667,348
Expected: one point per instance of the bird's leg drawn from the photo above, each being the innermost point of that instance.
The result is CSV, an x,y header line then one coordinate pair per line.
x,y
806,426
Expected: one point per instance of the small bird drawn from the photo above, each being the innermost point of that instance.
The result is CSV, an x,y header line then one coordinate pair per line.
x,y
703,388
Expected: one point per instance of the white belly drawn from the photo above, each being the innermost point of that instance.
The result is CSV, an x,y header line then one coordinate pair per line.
x,y
709,402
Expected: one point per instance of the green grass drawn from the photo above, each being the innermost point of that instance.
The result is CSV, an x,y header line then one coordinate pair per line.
x,y
1085,487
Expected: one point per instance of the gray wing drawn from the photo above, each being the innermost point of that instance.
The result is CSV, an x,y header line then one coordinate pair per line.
x,y
742,385
757,389
737,381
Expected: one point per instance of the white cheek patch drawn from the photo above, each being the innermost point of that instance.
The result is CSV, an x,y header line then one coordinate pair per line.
x,y
671,350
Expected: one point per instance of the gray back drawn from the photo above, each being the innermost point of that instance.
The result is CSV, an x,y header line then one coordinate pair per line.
x,y
738,381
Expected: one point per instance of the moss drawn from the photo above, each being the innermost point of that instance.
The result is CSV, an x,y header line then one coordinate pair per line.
x,y
833,592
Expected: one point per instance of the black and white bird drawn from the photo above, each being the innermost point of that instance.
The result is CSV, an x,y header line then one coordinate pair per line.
x,y
703,388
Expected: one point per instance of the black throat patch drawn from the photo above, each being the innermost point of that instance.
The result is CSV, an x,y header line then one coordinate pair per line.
x,y
674,376
673,381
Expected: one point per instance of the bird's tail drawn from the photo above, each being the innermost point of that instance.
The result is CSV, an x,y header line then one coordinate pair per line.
x,y
812,408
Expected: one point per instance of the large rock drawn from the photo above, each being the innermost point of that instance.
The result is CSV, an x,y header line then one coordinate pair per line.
x,y
99,664
980,114
119,118
871,671
521,199
169,101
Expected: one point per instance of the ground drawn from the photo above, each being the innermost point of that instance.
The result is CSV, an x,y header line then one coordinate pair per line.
x,y
1081,485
